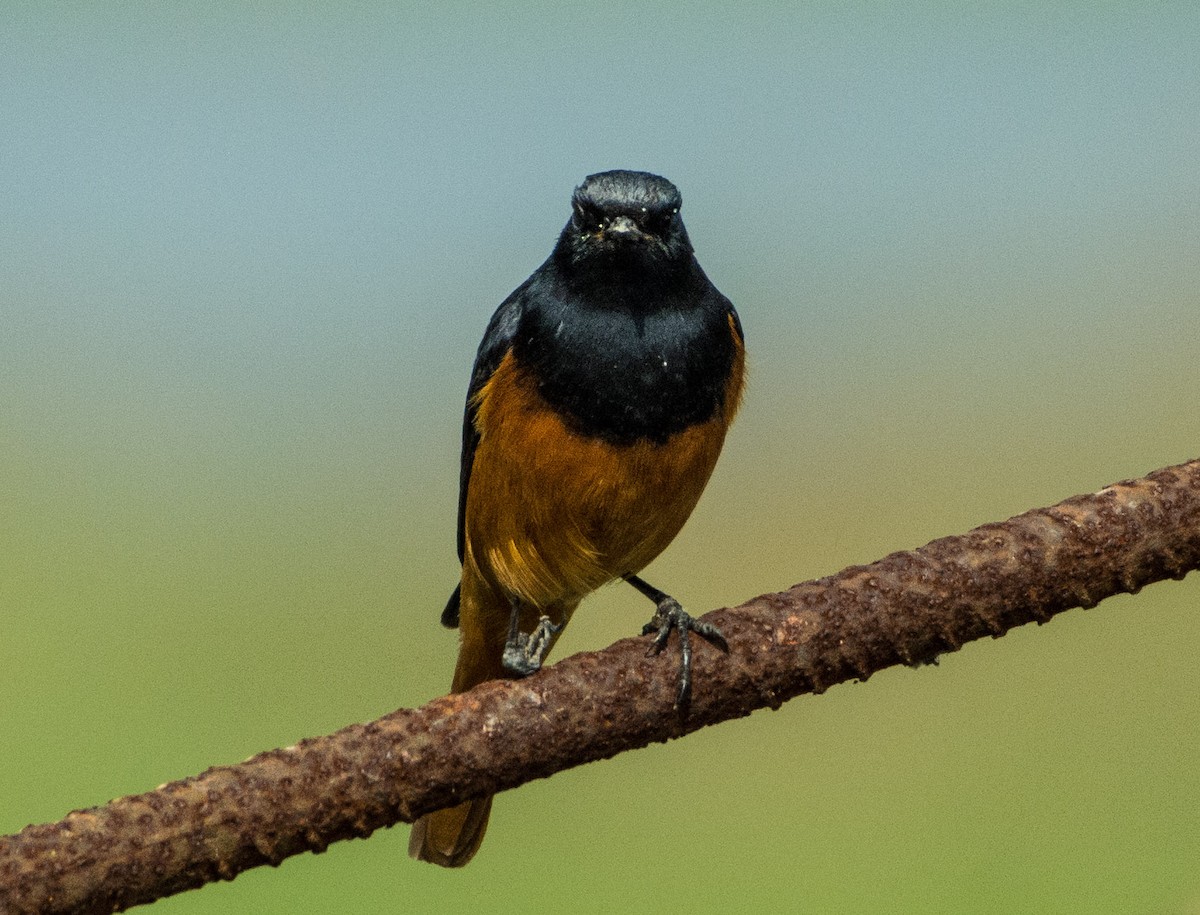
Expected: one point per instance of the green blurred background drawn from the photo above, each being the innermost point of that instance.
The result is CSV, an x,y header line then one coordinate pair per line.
x,y
247,254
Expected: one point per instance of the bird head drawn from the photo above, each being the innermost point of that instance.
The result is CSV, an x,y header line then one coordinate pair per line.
x,y
626,218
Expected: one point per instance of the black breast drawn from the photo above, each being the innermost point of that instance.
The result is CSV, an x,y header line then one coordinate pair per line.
x,y
626,373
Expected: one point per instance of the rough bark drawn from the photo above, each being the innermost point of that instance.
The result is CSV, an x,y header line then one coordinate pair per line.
x,y
907,608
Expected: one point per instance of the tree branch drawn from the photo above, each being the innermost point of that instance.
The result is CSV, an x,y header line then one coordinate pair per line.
x,y
907,608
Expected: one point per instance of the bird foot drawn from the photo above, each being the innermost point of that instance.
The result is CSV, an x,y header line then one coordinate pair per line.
x,y
523,654
671,616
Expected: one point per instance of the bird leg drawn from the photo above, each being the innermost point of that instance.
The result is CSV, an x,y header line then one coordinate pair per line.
x,y
670,615
523,654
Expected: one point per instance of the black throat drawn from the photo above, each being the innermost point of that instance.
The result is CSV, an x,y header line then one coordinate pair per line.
x,y
626,353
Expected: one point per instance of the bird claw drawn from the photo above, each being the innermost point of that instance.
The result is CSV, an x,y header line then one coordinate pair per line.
x,y
523,654
670,616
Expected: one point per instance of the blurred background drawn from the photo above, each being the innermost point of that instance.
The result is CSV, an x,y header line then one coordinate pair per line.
x,y
248,253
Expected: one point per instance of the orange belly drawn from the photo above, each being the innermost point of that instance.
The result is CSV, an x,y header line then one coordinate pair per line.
x,y
552,515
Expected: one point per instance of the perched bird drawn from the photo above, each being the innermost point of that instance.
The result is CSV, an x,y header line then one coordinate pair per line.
x,y
597,407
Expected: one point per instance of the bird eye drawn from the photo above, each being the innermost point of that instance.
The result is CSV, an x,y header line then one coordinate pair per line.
x,y
659,221
587,218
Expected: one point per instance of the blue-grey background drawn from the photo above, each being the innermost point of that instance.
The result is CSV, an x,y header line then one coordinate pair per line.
x,y
246,255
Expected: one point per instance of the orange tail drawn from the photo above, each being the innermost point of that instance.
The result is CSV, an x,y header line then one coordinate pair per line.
x,y
451,837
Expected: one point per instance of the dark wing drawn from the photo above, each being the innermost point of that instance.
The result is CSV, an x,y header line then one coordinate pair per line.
x,y
497,341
